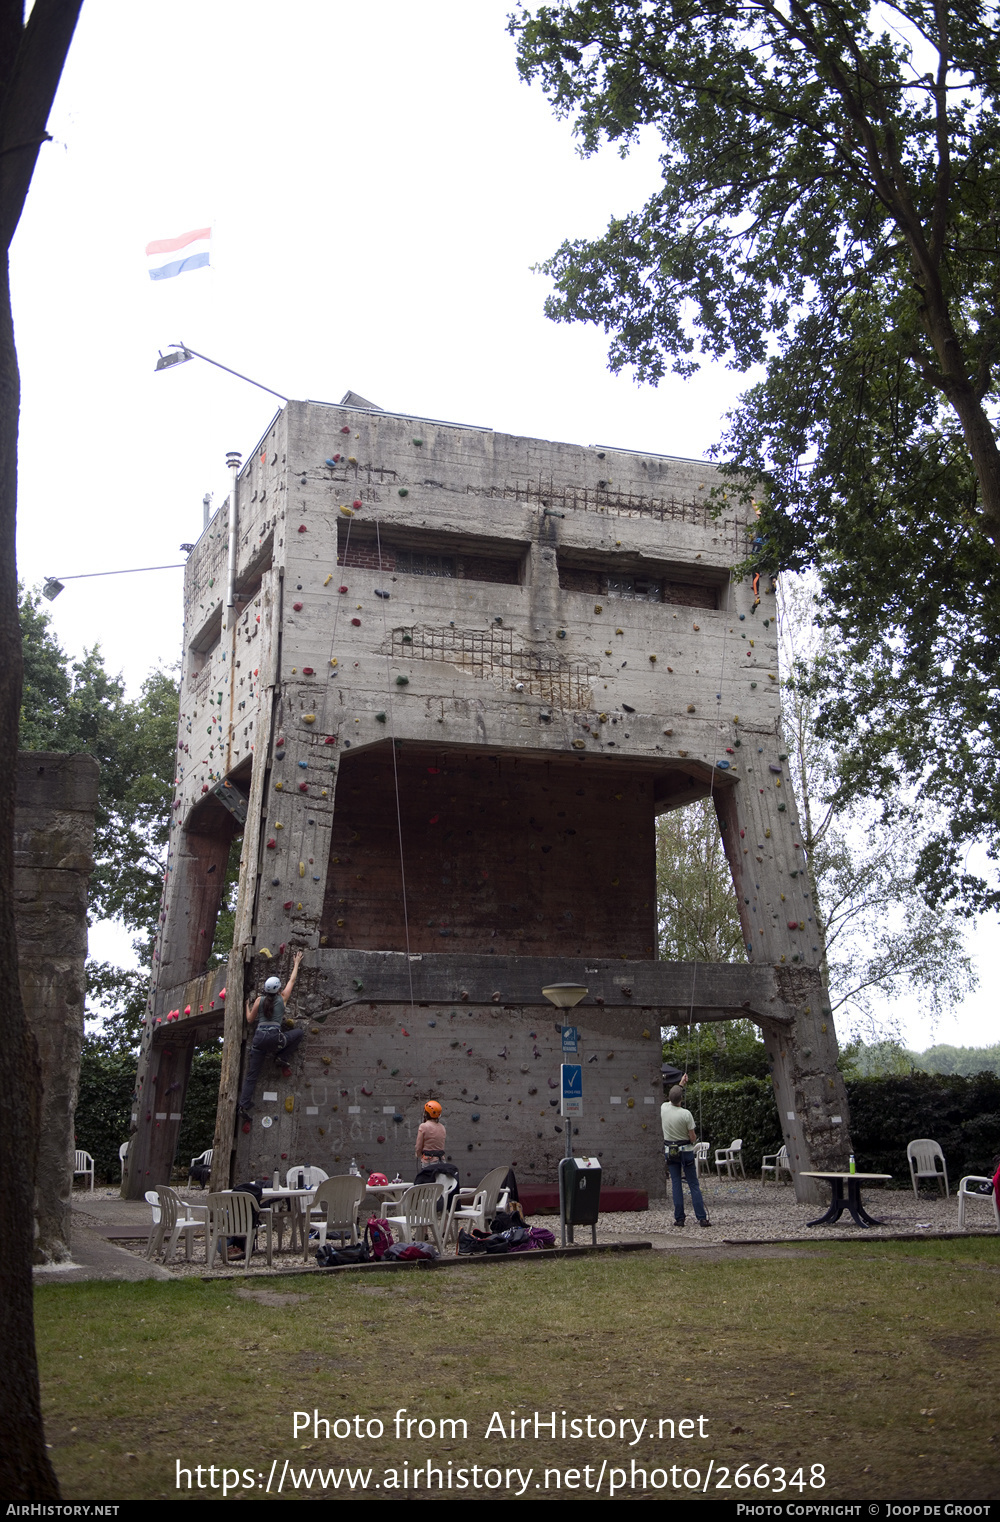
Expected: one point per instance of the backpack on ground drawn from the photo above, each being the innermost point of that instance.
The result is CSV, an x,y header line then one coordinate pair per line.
x,y
329,1255
378,1236
407,1252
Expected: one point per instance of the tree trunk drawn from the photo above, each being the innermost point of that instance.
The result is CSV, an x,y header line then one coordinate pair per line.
x,y
31,64
25,1471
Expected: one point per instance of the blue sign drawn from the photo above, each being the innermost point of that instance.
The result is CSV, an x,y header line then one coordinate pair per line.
x,y
572,1080
570,1038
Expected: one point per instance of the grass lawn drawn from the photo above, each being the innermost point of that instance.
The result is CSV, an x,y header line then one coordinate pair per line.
x,y
877,1361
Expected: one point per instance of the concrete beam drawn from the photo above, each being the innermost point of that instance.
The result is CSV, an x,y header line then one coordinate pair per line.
x,y
717,991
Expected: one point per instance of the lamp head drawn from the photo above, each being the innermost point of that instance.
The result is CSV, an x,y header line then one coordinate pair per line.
x,y
167,361
51,588
564,995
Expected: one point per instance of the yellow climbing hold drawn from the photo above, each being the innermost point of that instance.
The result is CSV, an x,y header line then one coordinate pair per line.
x,y
328,579
290,1103
308,718
348,512
278,787
302,869
264,953
333,661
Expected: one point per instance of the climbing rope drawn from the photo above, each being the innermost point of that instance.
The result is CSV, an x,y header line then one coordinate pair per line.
x,y
395,775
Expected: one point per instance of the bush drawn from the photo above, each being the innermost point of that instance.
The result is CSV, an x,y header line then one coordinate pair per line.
x,y
104,1106
724,1111
963,1114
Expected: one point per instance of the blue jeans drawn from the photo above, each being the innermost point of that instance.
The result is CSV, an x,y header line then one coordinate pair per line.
x,y
687,1164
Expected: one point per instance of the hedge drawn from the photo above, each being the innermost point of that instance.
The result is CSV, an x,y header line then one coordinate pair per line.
x,y
107,1080
963,1114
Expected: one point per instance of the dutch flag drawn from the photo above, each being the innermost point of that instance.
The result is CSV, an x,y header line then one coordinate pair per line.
x,y
168,257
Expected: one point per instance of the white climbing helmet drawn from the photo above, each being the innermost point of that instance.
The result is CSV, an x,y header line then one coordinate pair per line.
x,y
272,986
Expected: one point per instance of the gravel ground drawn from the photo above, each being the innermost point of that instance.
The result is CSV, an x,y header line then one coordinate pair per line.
x,y
748,1211
739,1211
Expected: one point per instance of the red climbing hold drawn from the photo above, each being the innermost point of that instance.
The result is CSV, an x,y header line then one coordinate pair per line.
x,y
404,1030
378,1138
433,770
345,429
297,606
303,787
308,671
282,947
357,624
287,905
302,528
280,740
350,1031
357,502
330,740
341,589
246,1128
434,819
272,843
204,787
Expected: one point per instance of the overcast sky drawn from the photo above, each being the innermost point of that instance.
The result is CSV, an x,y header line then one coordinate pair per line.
x,y
379,183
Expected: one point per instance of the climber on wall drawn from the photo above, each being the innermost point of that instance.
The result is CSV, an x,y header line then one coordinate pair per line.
x,y
268,1012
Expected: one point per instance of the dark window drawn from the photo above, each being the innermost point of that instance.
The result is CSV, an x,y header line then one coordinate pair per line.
x,y
413,564
635,588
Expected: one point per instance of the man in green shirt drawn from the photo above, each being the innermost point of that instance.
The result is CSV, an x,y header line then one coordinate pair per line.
x,y
679,1137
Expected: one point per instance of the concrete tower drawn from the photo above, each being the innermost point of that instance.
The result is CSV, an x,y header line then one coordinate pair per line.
x,y
442,681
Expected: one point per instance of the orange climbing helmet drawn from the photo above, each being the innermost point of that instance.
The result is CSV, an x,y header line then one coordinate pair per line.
x,y
432,1110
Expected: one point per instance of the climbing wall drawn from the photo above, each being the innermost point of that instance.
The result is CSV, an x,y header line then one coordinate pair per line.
x,y
462,674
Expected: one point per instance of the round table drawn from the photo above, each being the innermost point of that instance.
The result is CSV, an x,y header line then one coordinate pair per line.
x,y
838,1204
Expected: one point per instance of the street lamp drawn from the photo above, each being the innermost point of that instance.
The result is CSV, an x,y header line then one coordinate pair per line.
x,y
184,353
53,585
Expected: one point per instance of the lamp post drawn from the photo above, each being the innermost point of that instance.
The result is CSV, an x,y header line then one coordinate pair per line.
x,y
567,996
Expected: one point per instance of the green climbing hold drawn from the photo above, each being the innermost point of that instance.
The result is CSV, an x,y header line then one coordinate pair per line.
x,y
380,718
404,491
402,681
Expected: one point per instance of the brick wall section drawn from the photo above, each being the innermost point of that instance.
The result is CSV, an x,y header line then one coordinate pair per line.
x,y
690,594
363,553
512,855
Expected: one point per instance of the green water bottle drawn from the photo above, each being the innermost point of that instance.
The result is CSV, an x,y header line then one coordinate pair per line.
x,y
850,1163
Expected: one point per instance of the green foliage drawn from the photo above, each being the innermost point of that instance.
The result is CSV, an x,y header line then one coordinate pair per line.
x,y
77,706
965,1060
718,1051
963,1114
696,909
827,212
746,1108
104,1107
200,1104
116,1000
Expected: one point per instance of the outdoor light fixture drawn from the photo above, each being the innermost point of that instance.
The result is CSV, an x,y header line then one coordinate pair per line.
x,y
564,995
183,354
53,585
167,361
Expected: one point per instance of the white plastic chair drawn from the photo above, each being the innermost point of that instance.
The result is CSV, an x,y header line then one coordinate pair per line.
x,y
776,1163
923,1156
975,1194
83,1163
701,1157
204,1159
175,1220
485,1203
333,1209
231,1214
122,1155
730,1158
156,1229
418,1215
310,1177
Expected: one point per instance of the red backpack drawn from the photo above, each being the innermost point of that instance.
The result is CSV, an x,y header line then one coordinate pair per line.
x,y
378,1236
